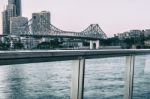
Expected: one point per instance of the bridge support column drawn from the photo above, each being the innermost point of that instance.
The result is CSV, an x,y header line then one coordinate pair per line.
x,y
94,44
91,44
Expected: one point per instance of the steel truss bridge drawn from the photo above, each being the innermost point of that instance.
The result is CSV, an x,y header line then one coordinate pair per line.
x,y
45,29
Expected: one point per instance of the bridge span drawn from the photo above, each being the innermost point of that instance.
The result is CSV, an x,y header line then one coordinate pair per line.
x,y
93,33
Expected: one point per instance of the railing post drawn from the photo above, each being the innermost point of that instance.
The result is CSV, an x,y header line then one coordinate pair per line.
x,y
130,62
78,79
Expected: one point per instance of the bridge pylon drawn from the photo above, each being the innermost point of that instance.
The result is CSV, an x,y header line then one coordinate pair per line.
x,y
94,44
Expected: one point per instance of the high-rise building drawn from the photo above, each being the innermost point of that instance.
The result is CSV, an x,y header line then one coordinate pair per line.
x,y
17,25
40,22
11,12
11,1
13,9
17,3
7,14
5,22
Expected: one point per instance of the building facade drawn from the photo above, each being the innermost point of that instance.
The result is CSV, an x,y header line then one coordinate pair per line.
x,y
40,22
5,22
147,33
131,34
13,9
17,4
17,25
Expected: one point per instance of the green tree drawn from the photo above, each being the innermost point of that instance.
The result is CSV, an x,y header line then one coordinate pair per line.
x,y
18,45
44,45
4,46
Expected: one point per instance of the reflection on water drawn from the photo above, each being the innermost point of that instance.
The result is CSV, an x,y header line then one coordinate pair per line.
x,y
3,85
141,87
36,81
16,83
104,79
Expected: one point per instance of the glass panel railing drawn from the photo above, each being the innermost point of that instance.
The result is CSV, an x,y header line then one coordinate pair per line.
x,y
104,78
141,85
36,81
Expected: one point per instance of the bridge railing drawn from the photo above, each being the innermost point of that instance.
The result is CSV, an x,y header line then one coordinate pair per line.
x,y
79,57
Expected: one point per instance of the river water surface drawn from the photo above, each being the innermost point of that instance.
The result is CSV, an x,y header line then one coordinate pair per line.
x,y
104,79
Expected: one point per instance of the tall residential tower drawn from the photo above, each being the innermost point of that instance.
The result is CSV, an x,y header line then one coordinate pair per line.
x,y
17,3
13,9
16,25
40,22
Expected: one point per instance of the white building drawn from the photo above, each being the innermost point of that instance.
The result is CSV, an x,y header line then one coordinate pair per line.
x,y
73,44
131,34
17,25
40,22
147,33
29,43
147,42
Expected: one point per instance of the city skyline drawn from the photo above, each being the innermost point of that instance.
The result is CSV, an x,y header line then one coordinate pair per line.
x,y
13,9
76,15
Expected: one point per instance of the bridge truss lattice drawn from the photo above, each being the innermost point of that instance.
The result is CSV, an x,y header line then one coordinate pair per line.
x,y
44,28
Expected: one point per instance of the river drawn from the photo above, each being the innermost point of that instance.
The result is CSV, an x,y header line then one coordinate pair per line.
x,y
104,79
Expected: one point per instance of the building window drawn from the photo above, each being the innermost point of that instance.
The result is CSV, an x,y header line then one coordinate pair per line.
x,y
34,17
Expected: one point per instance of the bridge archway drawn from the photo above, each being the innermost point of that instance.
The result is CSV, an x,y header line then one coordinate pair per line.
x,y
94,44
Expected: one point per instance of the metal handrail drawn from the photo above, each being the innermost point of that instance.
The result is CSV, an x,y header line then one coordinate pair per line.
x,y
79,57
34,56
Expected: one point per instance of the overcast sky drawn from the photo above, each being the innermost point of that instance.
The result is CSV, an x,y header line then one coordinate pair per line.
x,y
113,16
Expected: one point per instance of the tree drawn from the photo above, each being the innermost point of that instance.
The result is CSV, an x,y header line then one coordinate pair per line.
x,y
44,45
4,46
18,45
